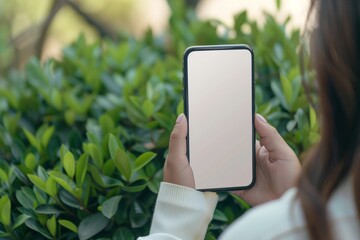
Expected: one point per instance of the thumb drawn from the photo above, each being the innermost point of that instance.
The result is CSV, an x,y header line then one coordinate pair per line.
x,y
177,169
269,136
177,144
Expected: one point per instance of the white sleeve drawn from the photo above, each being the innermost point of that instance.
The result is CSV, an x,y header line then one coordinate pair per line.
x,y
181,213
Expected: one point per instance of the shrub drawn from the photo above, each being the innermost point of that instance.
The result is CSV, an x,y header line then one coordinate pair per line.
x,y
83,139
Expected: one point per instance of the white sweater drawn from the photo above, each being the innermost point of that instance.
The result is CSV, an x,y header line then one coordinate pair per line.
x,y
184,213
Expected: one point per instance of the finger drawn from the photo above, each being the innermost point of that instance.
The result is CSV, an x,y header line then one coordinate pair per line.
x,y
269,136
258,147
177,144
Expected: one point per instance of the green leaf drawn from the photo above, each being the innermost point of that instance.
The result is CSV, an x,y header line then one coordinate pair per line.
x,y
209,236
113,145
51,187
20,220
32,140
164,120
95,174
70,117
37,181
11,122
138,215
30,161
42,173
135,114
106,124
122,163
154,183
103,181
69,225
40,195
242,203
278,4
148,108
45,138
110,206
95,154
5,234
24,200
3,176
21,176
111,182
220,216
48,209
34,225
302,120
312,116
81,169
279,94
29,193
180,108
63,150
51,225
5,210
69,199
178,9
135,100
56,99
287,89
290,125
314,137
240,20
108,168
122,233
63,180
69,164
91,225
143,159
136,186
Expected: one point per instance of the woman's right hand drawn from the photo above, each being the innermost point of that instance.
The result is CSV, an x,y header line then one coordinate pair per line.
x,y
277,166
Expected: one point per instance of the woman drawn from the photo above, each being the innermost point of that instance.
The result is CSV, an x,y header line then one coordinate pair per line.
x,y
320,201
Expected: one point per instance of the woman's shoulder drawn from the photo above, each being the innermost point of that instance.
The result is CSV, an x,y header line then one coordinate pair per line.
x,y
283,218
268,220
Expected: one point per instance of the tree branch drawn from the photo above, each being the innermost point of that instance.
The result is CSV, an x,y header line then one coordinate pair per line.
x,y
100,28
57,5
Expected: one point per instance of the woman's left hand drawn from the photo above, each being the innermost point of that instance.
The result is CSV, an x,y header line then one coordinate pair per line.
x,y
177,169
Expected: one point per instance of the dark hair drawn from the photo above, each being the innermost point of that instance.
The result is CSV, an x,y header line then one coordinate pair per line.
x,y
335,53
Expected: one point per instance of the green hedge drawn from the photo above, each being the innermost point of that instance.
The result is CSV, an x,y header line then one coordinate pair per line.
x,y
83,139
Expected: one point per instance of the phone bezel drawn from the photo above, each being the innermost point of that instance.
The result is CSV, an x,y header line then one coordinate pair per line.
x,y
186,110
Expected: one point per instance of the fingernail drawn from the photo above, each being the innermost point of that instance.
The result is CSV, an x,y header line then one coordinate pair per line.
x,y
261,118
179,118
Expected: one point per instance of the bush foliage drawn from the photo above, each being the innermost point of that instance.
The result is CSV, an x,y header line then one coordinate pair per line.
x,y
83,139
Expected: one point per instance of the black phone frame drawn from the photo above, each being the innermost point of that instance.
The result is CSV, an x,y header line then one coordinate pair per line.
x,y
186,109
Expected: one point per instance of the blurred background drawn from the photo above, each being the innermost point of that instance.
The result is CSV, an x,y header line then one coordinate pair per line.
x,y
84,135
43,28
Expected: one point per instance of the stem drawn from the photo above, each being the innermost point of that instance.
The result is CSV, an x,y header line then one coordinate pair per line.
x,y
8,230
63,206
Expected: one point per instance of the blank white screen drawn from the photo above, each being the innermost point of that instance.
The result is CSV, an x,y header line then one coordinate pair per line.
x,y
220,117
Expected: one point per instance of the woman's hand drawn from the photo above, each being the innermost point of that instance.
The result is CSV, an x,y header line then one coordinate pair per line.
x,y
177,169
277,166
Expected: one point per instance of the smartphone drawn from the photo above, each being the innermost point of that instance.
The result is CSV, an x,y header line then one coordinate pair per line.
x,y
219,106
